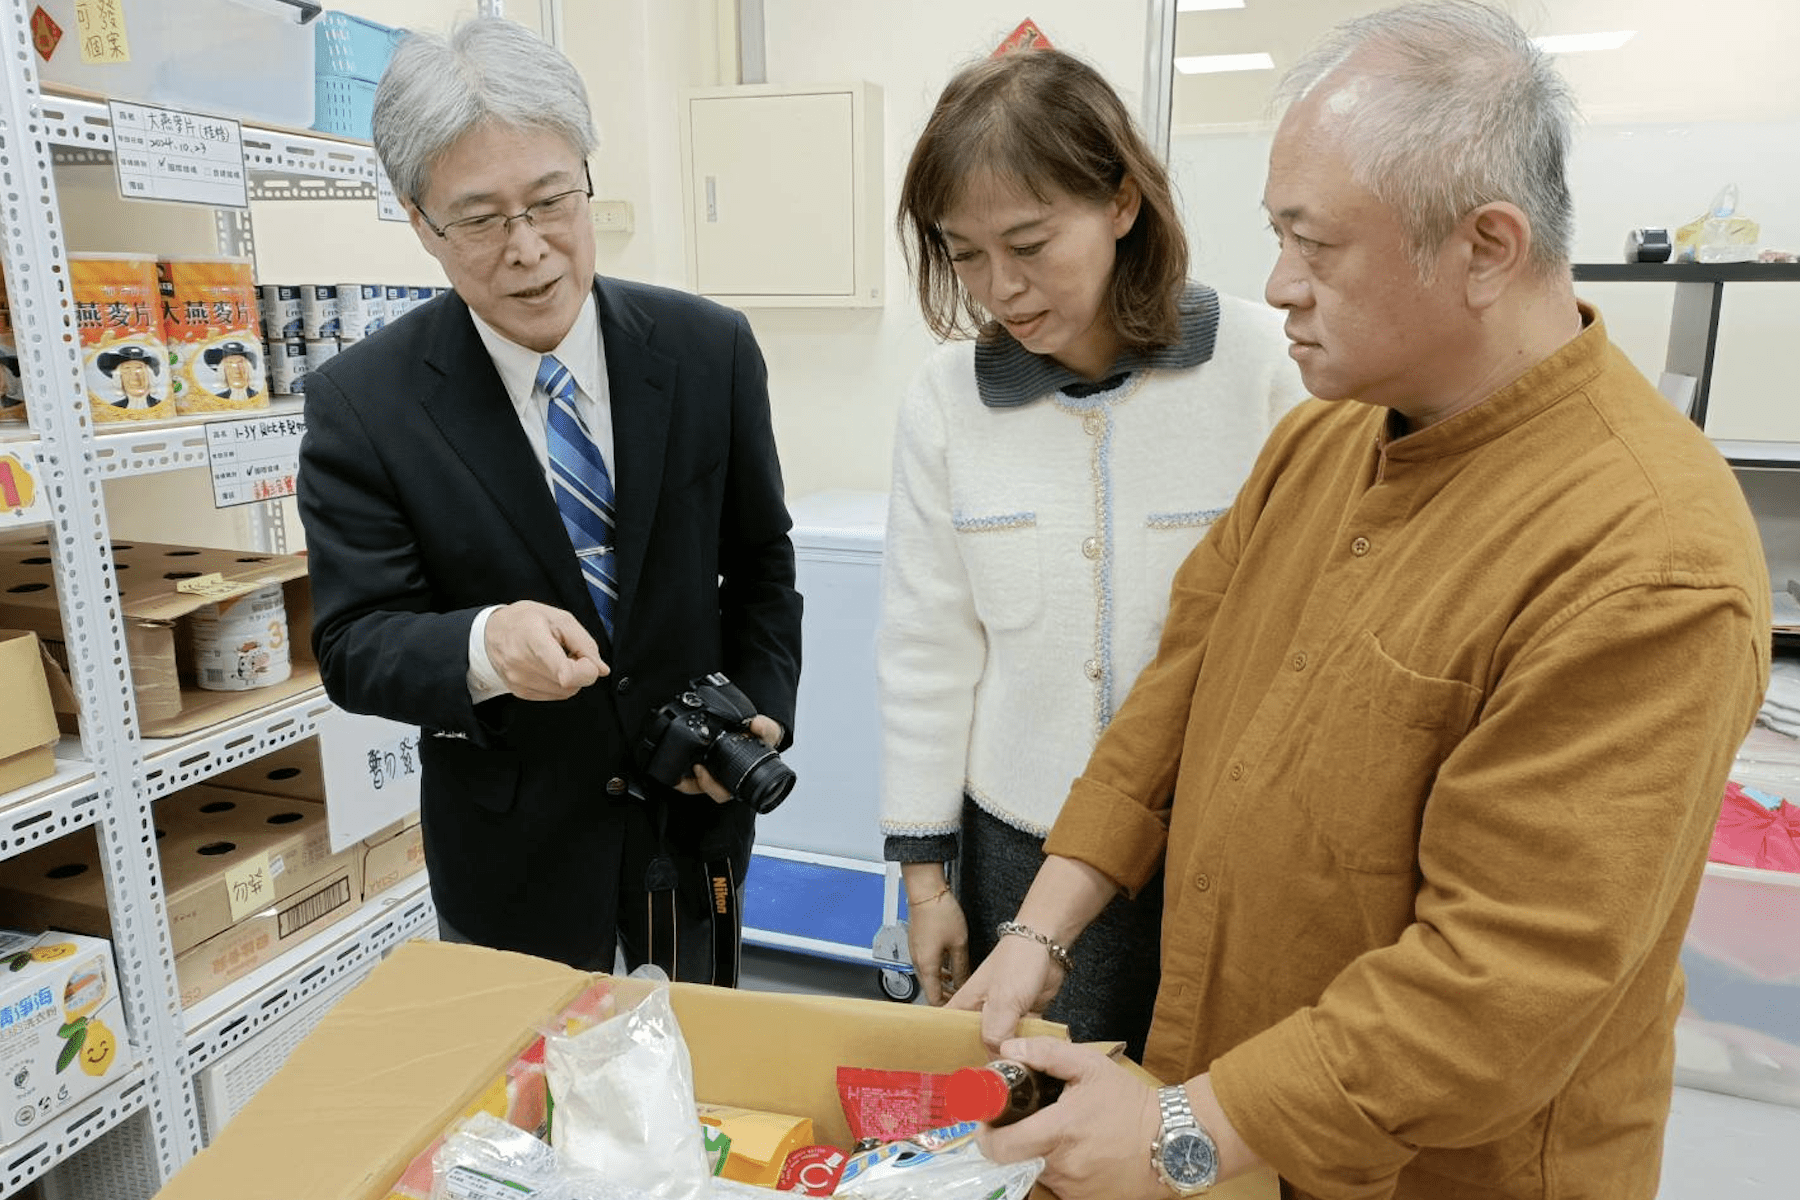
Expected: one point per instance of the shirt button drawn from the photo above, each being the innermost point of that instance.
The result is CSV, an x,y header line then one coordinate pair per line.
x,y
1360,547
1203,881
1093,668
1093,424
615,786
1091,547
1300,660
1237,770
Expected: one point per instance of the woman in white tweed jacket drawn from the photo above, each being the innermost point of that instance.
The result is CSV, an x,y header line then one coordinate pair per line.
x,y
1049,477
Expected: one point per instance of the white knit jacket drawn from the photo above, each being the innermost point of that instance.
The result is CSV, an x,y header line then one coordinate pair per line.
x,y
1028,562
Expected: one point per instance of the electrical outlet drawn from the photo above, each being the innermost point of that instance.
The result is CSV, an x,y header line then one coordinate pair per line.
x,y
611,216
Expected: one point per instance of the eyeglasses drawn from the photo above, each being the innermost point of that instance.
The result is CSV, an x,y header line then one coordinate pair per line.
x,y
490,231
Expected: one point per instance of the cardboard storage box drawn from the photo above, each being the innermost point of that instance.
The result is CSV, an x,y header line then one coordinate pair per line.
x,y
28,733
392,855
435,1024
156,613
1740,1029
294,770
62,1026
244,876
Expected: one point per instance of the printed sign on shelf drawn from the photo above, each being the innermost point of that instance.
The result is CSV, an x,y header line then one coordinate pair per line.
x,y
166,154
21,499
253,459
371,774
387,203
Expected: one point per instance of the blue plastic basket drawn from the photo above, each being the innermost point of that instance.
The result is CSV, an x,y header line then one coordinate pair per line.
x,y
343,106
353,46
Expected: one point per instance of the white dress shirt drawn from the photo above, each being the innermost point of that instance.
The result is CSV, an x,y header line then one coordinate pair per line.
x,y
582,352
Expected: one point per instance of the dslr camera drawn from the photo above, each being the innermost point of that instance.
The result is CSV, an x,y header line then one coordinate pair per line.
x,y
708,723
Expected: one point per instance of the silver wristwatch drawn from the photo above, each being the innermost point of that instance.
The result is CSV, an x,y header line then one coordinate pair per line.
x,y
1185,1158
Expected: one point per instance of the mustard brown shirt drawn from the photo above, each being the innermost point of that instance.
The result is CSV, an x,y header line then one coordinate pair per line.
x,y
1432,747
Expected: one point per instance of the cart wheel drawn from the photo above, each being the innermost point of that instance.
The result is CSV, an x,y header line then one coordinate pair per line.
x,y
899,986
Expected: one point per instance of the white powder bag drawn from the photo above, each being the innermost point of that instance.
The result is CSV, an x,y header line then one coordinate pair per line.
x,y
624,1096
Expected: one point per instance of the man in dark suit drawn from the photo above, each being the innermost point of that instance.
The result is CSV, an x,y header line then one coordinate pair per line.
x,y
536,508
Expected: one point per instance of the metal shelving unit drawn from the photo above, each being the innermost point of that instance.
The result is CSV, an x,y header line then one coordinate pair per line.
x,y
141,1128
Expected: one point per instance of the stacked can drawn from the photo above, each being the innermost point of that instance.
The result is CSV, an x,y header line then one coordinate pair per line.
x,y
209,320
280,305
119,317
362,309
321,319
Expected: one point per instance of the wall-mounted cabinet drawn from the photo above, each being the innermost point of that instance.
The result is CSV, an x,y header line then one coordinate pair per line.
x,y
783,195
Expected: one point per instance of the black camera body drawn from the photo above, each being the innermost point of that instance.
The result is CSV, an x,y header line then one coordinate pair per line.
x,y
708,724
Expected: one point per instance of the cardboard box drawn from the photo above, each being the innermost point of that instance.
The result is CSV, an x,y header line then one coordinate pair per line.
x,y
155,613
394,854
258,939
435,1024
225,857
294,770
62,1026
28,734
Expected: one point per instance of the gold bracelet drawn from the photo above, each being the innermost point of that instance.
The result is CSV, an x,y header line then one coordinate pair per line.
x,y
1058,955
937,895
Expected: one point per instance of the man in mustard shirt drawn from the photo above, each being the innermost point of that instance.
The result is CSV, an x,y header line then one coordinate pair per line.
x,y
1441,716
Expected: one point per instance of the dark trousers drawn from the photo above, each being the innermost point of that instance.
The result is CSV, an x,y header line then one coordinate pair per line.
x,y
1110,994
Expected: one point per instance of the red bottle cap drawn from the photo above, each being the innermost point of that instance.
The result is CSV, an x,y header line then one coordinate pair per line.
x,y
975,1094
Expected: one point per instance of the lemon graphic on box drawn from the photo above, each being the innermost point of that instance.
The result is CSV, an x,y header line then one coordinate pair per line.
x,y
101,1047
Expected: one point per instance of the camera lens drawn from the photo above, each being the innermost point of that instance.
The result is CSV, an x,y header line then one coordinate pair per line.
x,y
754,773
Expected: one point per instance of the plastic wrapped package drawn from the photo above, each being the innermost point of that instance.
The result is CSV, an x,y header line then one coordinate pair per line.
x,y
1720,234
486,1158
624,1102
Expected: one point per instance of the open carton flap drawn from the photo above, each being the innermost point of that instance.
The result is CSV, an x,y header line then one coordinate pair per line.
x,y
394,1062
411,1047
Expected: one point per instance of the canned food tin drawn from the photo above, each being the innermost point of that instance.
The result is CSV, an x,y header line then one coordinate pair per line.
x,y
416,296
210,325
393,297
318,311
362,310
242,643
287,367
280,304
320,351
118,315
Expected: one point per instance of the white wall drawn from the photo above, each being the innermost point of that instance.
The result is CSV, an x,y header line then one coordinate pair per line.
x,y
1622,176
837,377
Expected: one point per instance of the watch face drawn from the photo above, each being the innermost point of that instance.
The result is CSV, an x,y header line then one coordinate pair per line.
x,y
1189,1159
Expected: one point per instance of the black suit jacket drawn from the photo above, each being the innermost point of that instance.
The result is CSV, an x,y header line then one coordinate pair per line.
x,y
423,503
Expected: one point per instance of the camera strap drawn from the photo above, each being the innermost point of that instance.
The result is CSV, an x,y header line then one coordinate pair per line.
x,y
662,886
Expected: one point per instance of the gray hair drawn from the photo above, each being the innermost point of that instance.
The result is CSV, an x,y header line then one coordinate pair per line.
x,y
1466,111
489,70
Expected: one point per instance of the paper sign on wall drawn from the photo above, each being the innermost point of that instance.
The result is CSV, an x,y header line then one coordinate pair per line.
x,y
1026,37
166,154
253,459
371,774
100,28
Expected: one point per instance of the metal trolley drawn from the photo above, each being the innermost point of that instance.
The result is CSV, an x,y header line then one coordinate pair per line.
x,y
817,882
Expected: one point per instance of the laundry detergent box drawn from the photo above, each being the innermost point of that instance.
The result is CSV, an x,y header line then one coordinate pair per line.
x,y
62,1026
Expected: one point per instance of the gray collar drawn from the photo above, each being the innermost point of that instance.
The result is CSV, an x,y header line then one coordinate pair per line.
x,y
1008,375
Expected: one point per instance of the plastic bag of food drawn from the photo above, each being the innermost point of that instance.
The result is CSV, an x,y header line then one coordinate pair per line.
x,y
1720,234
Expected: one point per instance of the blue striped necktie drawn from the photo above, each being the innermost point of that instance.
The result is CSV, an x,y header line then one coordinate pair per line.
x,y
583,490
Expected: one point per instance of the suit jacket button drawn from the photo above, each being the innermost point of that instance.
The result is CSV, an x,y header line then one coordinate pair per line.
x,y
615,786
624,684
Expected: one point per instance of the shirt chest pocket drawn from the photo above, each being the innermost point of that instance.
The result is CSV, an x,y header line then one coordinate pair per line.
x,y
1382,732
1169,537
1003,557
